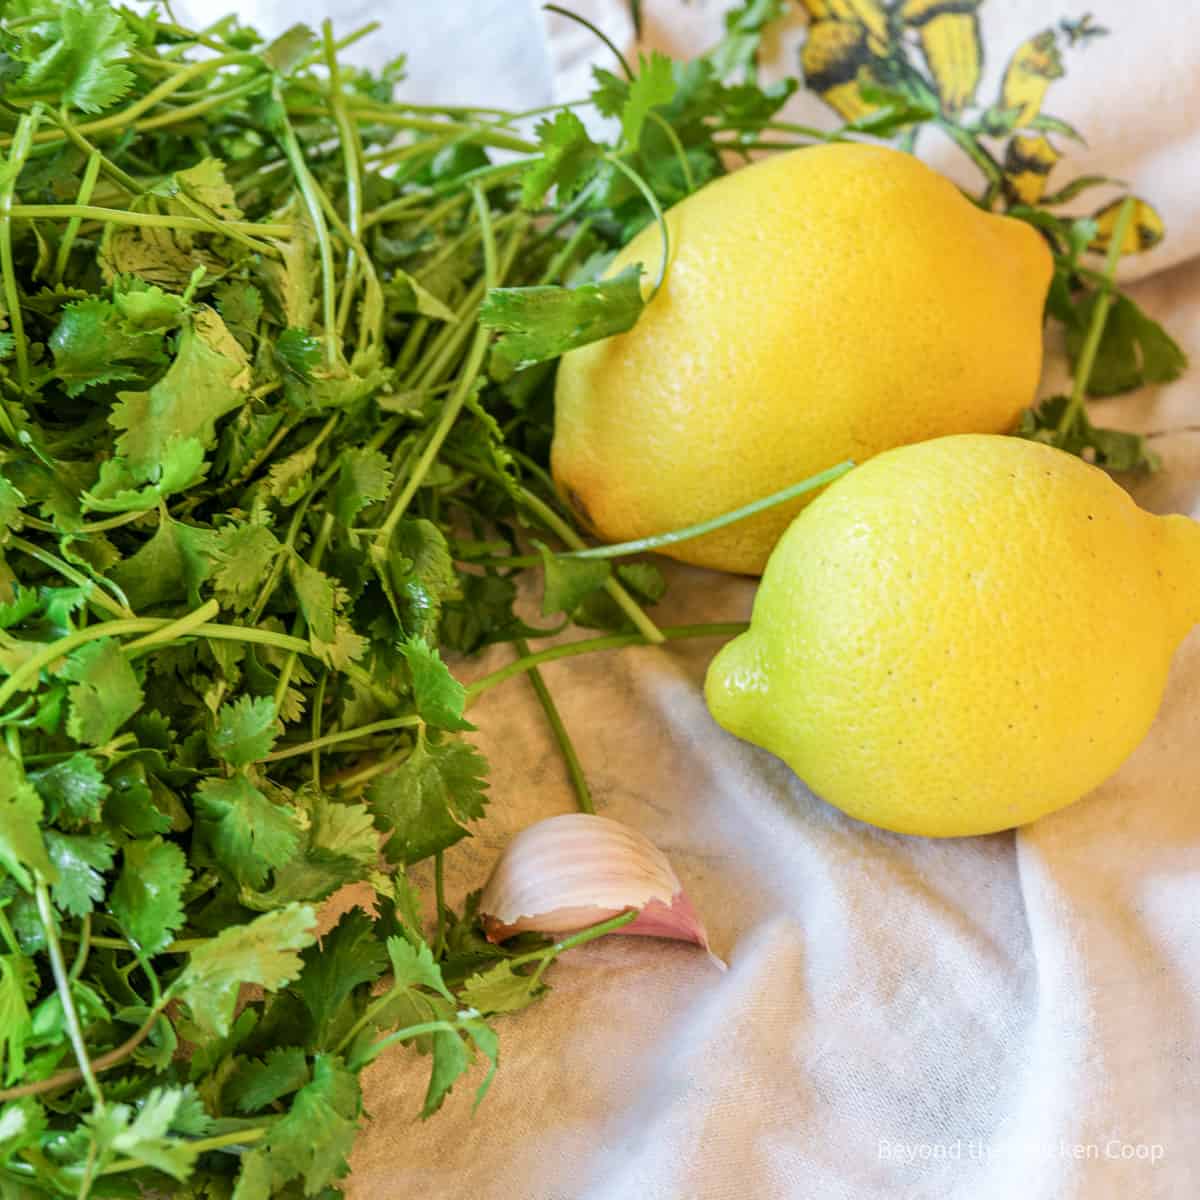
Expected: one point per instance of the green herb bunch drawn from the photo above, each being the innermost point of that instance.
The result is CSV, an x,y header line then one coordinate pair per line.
x,y
276,369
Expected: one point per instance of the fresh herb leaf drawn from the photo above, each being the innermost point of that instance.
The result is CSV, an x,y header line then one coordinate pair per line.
x,y
426,802
264,951
540,323
437,696
147,898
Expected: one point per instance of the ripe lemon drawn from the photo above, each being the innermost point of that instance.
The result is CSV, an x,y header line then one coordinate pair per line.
x,y
962,635
825,304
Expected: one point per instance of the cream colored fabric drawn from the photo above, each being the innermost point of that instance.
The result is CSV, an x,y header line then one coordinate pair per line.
x,y
902,1019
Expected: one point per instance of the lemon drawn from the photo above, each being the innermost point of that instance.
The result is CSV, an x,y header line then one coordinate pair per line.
x,y
822,305
961,636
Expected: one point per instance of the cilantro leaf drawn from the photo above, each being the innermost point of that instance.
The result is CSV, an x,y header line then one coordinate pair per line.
x,y
144,307
208,378
413,965
79,860
22,849
247,833
653,85
364,478
1112,449
144,1134
21,1121
181,467
421,572
245,555
437,696
341,847
1134,350
168,567
104,692
147,898
73,790
540,323
567,582
330,1103
569,159
245,730
93,344
298,352
264,951
18,987
426,801
501,989
82,60
348,956
260,1082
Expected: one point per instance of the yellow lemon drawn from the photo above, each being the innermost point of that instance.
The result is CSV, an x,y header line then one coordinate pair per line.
x,y
962,635
825,304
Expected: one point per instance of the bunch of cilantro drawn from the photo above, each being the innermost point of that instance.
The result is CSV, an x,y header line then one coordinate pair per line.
x,y
276,360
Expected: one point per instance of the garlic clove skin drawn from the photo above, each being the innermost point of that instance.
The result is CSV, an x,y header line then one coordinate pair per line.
x,y
565,873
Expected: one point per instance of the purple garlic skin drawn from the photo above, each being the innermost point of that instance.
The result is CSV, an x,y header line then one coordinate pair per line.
x,y
569,872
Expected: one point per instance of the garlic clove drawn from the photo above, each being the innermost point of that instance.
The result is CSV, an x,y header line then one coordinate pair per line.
x,y
568,872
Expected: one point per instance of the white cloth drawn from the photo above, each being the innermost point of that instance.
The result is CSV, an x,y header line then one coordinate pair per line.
x,y
1016,1015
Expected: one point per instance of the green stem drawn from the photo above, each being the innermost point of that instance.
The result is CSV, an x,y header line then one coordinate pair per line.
x,y
583,794
656,208
453,405
576,939
613,641
352,164
1100,310
97,595
657,541
573,16
22,140
628,605
86,186
439,900
681,157
304,180
239,1137
178,628
62,984
121,120
343,735
117,216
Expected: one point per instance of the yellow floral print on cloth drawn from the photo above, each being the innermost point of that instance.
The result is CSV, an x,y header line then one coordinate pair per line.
x,y
860,56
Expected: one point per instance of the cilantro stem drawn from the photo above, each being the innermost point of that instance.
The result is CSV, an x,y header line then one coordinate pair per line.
x,y
657,541
86,186
21,141
102,1062
590,934
614,641
583,794
62,984
308,191
1100,310
238,1137
175,629
457,399
656,208
573,16
96,595
352,164
439,900
121,120
343,735
685,167
628,605
116,216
